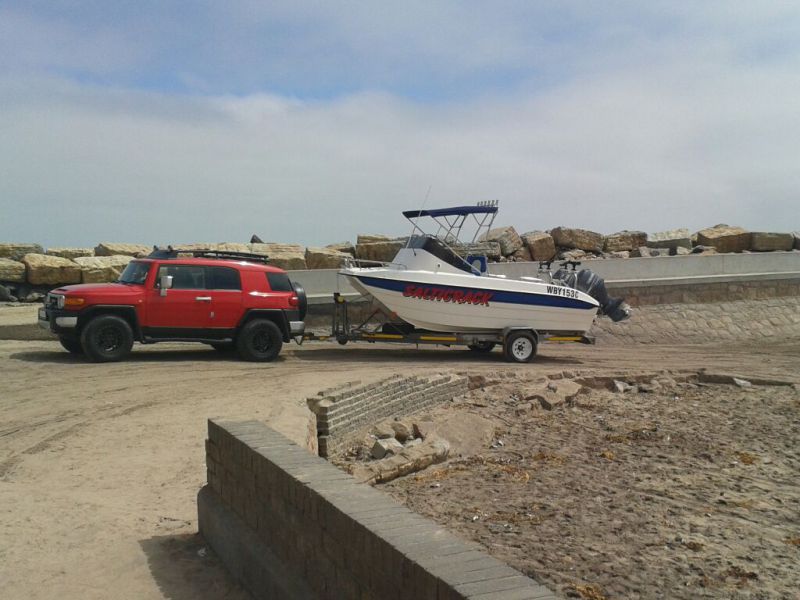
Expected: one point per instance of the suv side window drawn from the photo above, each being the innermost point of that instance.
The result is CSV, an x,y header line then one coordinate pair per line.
x,y
279,282
184,277
222,278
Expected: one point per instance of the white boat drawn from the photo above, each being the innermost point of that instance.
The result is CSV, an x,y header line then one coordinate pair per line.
x,y
430,286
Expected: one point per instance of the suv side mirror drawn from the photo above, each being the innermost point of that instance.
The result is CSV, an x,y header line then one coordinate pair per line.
x,y
165,284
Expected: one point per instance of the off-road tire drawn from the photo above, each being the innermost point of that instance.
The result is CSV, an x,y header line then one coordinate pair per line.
x,y
520,347
259,340
107,338
71,344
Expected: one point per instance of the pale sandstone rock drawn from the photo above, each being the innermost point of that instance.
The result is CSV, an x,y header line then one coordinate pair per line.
x,y
384,447
625,240
17,251
507,237
672,238
725,238
619,254
490,250
541,245
366,238
233,247
522,255
346,247
681,251
383,251
11,270
580,239
767,242
102,269
113,249
51,270
70,253
291,257
572,255
325,258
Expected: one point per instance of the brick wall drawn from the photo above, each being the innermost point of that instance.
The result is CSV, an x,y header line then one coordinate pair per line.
x,y
344,410
289,525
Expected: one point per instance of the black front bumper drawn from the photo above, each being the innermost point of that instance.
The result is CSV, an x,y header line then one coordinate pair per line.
x,y
60,322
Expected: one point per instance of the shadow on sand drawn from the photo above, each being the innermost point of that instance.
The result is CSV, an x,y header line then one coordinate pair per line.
x,y
185,568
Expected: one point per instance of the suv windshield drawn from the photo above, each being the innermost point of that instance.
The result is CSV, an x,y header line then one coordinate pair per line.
x,y
135,273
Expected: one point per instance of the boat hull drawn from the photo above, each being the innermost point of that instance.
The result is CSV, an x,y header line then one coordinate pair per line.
x,y
468,304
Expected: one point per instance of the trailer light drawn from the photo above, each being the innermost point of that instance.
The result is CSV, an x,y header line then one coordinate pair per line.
x,y
74,301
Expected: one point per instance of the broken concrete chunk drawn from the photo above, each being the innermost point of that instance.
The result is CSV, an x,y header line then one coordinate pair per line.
x,y
742,383
384,447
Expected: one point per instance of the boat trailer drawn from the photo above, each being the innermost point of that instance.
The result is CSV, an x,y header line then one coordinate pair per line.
x,y
519,343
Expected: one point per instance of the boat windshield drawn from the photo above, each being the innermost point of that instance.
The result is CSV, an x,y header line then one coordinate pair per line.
x,y
441,251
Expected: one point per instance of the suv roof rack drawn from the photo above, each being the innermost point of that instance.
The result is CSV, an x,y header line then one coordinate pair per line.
x,y
170,253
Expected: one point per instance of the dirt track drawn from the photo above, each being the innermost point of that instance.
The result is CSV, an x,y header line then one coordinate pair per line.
x,y
100,464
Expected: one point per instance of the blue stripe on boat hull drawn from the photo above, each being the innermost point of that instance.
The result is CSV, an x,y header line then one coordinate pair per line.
x,y
396,285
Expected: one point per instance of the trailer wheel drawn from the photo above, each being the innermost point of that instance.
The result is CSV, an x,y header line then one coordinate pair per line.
x,y
482,346
520,346
342,339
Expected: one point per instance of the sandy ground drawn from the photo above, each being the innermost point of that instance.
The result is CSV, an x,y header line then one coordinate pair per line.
x,y
100,464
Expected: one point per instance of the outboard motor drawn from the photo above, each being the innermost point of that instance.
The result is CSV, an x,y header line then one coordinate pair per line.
x,y
592,284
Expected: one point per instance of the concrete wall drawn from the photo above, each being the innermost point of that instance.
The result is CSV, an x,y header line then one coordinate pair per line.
x,y
289,525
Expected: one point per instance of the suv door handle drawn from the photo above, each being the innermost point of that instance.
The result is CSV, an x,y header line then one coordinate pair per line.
x,y
203,298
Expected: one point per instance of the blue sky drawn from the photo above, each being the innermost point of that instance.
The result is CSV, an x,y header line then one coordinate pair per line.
x,y
163,122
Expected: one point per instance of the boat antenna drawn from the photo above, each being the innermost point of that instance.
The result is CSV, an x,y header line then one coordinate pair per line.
x,y
424,202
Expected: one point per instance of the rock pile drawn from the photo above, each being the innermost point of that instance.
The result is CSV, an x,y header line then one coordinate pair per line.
x,y
27,270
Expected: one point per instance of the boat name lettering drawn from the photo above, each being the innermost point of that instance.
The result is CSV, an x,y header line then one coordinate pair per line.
x,y
562,291
447,295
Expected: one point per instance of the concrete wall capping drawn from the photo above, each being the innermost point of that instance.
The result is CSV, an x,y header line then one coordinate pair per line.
x,y
287,524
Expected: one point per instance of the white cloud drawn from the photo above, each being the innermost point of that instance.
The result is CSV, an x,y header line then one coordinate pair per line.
x,y
608,117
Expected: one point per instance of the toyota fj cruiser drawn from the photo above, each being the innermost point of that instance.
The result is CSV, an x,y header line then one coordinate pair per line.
x,y
230,300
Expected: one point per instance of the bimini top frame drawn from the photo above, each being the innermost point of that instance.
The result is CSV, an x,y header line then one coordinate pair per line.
x,y
451,220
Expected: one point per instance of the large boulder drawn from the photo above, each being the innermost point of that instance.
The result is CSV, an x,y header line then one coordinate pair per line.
x,y
625,240
383,251
233,247
12,270
112,249
291,257
507,237
580,239
325,258
70,252
797,240
102,269
17,251
366,238
725,238
491,250
522,255
672,238
541,245
51,270
766,242
347,247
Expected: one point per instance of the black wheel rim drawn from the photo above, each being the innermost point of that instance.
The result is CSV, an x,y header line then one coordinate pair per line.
x,y
262,342
108,339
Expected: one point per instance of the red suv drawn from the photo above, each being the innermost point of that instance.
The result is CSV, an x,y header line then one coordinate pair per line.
x,y
229,300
